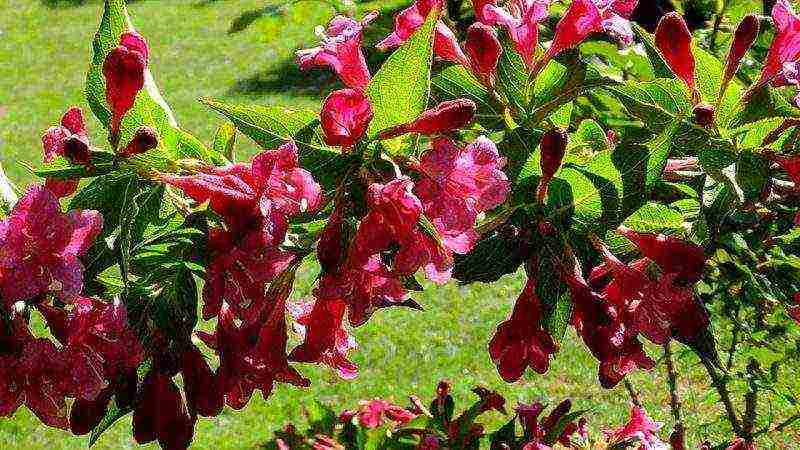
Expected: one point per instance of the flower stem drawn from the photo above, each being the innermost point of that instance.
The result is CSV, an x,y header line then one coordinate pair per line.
x,y
674,399
722,389
633,393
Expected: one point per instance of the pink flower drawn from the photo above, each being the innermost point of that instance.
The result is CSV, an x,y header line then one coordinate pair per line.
x,y
520,341
443,118
521,18
484,51
325,340
674,41
639,428
479,6
70,140
785,47
99,347
458,183
585,17
407,21
124,69
345,116
40,246
340,50
373,413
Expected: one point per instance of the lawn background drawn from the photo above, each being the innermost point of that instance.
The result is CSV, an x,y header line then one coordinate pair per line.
x,y
44,52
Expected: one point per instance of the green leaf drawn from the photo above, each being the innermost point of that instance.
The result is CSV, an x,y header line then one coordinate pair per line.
x,y
512,79
270,126
575,202
505,252
455,81
656,218
551,290
59,167
660,67
225,140
764,103
657,103
752,174
399,90
113,414
589,137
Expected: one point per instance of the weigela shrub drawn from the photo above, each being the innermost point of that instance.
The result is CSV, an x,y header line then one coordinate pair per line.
x,y
649,193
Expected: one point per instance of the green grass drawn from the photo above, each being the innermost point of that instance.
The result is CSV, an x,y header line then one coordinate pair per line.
x,y
47,46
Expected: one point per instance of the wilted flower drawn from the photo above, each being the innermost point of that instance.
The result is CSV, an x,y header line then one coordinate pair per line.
x,y
584,17
124,69
40,246
345,116
521,18
674,41
70,140
340,50
325,340
521,341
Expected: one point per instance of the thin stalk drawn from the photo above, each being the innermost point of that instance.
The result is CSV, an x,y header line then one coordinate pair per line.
x,y
737,326
637,401
722,389
674,399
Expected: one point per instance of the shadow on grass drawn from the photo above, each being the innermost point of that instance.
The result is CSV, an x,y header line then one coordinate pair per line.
x,y
285,77
246,18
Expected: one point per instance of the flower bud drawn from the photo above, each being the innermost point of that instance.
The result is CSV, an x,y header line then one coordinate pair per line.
x,y
443,118
704,114
674,41
145,139
77,150
124,69
746,33
345,116
483,49
553,146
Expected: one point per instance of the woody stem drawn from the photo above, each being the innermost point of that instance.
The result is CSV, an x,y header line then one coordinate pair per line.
x,y
674,400
721,386
637,401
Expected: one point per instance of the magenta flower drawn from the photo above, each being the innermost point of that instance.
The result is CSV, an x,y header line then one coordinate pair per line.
x,y
521,18
345,116
585,17
70,140
340,50
325,340
40,246
639,429
521,342
479,6
124,69
99,347
458,183
373,414
484,51
160,413
407,21
785,47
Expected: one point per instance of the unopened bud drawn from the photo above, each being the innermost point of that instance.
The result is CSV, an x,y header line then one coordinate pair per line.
x,y
77,150
484,50
553,146
124,69
443,118
674,40
145,139
746,33
704,114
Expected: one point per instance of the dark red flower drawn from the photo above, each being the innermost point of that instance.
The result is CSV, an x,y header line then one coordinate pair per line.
x,y
340,50
521,342
85,415
202,387
124,69
791,164
484,50
443,118
794,309
345,116
674,41
160,413
40,246
676,256
143,140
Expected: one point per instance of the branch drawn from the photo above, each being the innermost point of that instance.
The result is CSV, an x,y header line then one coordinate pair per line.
x,y
674,400
737,325
637,401
722,389
750,401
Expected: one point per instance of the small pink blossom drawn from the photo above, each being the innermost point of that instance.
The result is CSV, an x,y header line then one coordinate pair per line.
x,y
340,50
373,414
40,247
521,18
124,69
345,116
70,140
584,17
639,429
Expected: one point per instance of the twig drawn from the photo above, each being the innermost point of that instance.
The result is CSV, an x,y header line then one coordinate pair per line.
x,y
632,391
737,326
750,401
722,389
674,400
